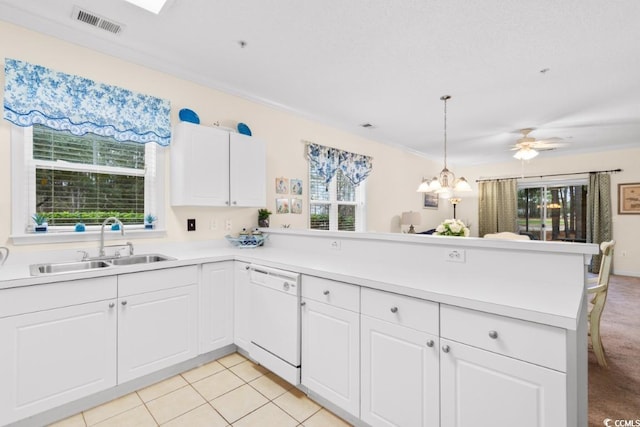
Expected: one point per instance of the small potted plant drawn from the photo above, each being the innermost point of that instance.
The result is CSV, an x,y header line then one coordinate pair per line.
x,y
41,222
148,221
263,217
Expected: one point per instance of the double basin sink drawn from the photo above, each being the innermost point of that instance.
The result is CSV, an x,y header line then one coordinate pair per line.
x,y
95,264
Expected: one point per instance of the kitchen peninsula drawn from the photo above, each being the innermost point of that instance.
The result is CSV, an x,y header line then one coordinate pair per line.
x,y
419,327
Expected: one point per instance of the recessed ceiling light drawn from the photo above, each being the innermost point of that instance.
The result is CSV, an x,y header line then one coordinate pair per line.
x,y
154,6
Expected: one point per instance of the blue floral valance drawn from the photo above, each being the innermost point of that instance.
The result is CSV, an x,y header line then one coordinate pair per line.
x,y
327,161
34,94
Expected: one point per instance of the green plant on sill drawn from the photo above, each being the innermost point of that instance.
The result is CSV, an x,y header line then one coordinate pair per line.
x,y
39,218
264,214
150,219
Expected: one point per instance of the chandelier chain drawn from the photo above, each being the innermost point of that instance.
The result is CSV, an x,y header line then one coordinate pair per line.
x,y
445,98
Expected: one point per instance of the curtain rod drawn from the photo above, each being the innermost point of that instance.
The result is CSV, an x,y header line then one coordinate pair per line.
x,y
547,175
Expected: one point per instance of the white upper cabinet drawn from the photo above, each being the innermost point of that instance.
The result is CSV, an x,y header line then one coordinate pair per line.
x,y
213,167
247,171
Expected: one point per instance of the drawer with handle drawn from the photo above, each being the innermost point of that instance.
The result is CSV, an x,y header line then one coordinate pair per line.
x,y
529,341
338,294
400,309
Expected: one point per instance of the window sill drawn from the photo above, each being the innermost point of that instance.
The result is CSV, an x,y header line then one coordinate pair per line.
x,y
85,236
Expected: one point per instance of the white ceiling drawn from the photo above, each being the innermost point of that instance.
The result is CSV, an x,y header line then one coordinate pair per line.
x,y
385,62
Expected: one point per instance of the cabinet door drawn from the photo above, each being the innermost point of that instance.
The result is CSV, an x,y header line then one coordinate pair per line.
x,y
156,330
330,354
400,375
248,171
481,388
241,303
216,306
56,356
199,166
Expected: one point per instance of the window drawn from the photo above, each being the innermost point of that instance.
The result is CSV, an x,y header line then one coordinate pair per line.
x,y
554,211
340,206
87,178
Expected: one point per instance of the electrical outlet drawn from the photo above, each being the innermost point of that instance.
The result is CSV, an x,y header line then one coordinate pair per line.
x,y
336,245
455,255
227,225
213,224
191,224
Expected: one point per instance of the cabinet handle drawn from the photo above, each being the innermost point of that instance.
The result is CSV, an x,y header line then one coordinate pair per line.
x,y
124,302
430,343
112,304
394,309
446,348
493,334
303,303
247,267
325,293
226,202
235,203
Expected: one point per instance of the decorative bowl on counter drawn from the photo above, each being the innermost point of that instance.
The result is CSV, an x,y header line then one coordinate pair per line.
x,y
247,240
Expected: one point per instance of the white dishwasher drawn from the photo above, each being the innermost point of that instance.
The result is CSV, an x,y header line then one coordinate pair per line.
x,y
275,321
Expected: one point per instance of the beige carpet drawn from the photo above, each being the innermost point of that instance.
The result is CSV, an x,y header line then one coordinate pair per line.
x,y
614,393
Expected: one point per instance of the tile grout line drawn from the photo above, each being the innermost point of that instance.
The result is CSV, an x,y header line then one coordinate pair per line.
x,y
147,408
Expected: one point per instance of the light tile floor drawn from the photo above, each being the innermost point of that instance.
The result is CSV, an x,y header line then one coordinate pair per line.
x,y
231,391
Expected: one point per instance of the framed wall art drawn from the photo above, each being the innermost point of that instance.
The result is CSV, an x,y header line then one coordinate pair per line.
x,y
282,185
282,206
430,200
296,186
296,206
629,198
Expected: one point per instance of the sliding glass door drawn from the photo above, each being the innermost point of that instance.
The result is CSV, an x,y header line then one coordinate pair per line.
x,y
553,211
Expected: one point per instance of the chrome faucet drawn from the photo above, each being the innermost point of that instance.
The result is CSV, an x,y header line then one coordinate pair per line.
x,y
115,221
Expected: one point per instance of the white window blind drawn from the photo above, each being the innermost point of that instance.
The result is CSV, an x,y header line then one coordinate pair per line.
x,y
338,206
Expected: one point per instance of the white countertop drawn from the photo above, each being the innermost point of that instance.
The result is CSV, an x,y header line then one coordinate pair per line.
x,y
525,296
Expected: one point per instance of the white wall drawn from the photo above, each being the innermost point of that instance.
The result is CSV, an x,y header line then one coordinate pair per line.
x,y
626,228
390,188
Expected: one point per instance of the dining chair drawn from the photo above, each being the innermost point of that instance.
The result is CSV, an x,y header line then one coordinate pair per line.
x,y
506,235
597,290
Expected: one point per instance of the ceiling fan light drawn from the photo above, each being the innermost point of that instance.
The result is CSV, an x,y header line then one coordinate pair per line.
x,y
525,154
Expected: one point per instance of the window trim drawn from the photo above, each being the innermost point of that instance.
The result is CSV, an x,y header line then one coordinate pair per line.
x,y
21,144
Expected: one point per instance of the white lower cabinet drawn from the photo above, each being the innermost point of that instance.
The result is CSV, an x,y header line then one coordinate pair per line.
x,y
241,306
481,388
216,306
497,370
400,365
59,353
330,354
156,329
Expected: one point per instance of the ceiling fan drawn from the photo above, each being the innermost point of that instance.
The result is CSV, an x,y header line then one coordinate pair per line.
x,y
528,147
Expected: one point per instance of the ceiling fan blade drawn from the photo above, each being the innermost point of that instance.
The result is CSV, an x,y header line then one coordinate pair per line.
x,y
552,139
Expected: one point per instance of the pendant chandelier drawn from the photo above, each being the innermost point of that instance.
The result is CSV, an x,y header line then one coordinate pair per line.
x,y
445,184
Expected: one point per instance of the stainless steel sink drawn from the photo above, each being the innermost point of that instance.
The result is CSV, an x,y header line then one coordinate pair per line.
x,y
140,259
72,267
66,267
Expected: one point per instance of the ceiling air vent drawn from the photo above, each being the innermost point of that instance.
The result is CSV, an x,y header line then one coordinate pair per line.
x,y
96,20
